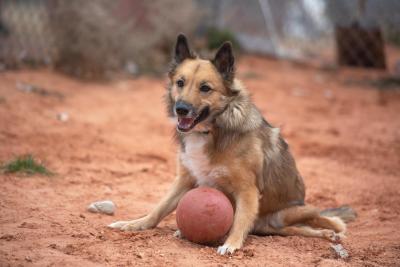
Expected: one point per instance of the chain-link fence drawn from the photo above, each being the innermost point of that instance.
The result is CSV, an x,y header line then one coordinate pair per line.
x,y
137,35
92,38
25,34
347,32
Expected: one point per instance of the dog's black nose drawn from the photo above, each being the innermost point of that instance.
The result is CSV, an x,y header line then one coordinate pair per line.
x,y
182,108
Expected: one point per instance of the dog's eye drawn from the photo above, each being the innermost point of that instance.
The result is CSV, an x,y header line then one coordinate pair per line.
x,y
205,88
180,83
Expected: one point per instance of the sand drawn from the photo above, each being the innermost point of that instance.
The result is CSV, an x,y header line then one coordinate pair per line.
x,y
117,144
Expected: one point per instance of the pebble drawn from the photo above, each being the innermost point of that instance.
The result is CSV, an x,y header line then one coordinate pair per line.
x,y
63,116
106,207
340,251
132,68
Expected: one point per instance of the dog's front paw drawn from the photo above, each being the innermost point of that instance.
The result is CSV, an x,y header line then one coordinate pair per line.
x,y
135,225
117,225
227,249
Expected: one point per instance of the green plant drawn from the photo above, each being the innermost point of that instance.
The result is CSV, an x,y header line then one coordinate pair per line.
x,y
215,38
25,164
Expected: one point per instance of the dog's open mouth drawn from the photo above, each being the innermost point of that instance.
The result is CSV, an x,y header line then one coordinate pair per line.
x,y
185,124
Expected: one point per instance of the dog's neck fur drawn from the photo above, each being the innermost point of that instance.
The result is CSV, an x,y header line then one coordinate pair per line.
x,y
240,114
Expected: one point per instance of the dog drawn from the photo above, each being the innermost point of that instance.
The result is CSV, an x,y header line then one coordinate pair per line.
x,y
226,143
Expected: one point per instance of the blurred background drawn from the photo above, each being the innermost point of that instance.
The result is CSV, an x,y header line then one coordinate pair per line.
x,y
98,38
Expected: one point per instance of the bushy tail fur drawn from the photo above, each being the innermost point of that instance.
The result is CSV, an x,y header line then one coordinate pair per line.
x,y
346,213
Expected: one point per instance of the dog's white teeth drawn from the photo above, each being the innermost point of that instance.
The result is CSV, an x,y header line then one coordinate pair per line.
x,y
185,123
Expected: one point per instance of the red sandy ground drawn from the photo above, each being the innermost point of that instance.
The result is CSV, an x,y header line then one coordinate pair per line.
x,y
118,145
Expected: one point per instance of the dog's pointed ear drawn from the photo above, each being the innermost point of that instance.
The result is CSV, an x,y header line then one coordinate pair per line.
x,y
182,50
224,61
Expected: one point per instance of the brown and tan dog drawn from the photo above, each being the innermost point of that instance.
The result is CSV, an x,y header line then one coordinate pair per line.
x,y
227,144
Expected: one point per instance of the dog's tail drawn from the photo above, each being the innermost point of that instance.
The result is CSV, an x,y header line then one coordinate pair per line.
x,y
346,213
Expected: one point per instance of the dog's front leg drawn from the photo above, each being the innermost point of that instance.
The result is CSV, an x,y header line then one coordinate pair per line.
x,y
245,215
182,184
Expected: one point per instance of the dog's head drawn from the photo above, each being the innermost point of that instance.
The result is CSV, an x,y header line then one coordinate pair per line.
x,y
199,89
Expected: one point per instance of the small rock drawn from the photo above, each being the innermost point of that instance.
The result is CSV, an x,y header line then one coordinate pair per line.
x,y
132,68
63,116
102,237
340,251
139,255
106,207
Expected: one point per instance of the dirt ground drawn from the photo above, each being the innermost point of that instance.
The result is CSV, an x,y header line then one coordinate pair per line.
x,y
118,145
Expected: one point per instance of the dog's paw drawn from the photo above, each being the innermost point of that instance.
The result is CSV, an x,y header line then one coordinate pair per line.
x,y
227,249
117,225
135,225
178,234
333,236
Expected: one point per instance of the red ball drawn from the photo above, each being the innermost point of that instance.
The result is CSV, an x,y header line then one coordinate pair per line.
x,y
204,215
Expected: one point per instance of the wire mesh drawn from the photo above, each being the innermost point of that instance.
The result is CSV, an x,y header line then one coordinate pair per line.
x,y
344,32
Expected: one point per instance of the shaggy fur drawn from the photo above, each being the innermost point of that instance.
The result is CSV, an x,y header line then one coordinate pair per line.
x,y
230,146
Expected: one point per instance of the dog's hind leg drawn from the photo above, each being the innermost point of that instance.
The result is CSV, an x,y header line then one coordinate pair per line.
x,y
291,216
302,230
334,223
299,220
308,215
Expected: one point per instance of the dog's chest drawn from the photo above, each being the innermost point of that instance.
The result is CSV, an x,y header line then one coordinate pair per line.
x,y
197,161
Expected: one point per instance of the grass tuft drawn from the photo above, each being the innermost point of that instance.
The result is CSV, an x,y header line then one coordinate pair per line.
x,y
25,164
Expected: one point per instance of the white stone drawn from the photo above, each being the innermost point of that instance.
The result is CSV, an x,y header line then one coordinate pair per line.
x,y
340,251
63,116
106,206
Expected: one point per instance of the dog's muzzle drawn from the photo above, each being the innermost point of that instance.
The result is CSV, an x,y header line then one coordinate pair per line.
x,y
188,117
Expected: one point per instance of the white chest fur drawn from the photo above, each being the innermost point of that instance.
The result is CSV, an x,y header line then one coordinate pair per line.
x,y
196,160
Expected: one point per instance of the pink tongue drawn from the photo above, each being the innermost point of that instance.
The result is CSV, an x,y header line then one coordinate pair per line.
x,y
185,123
